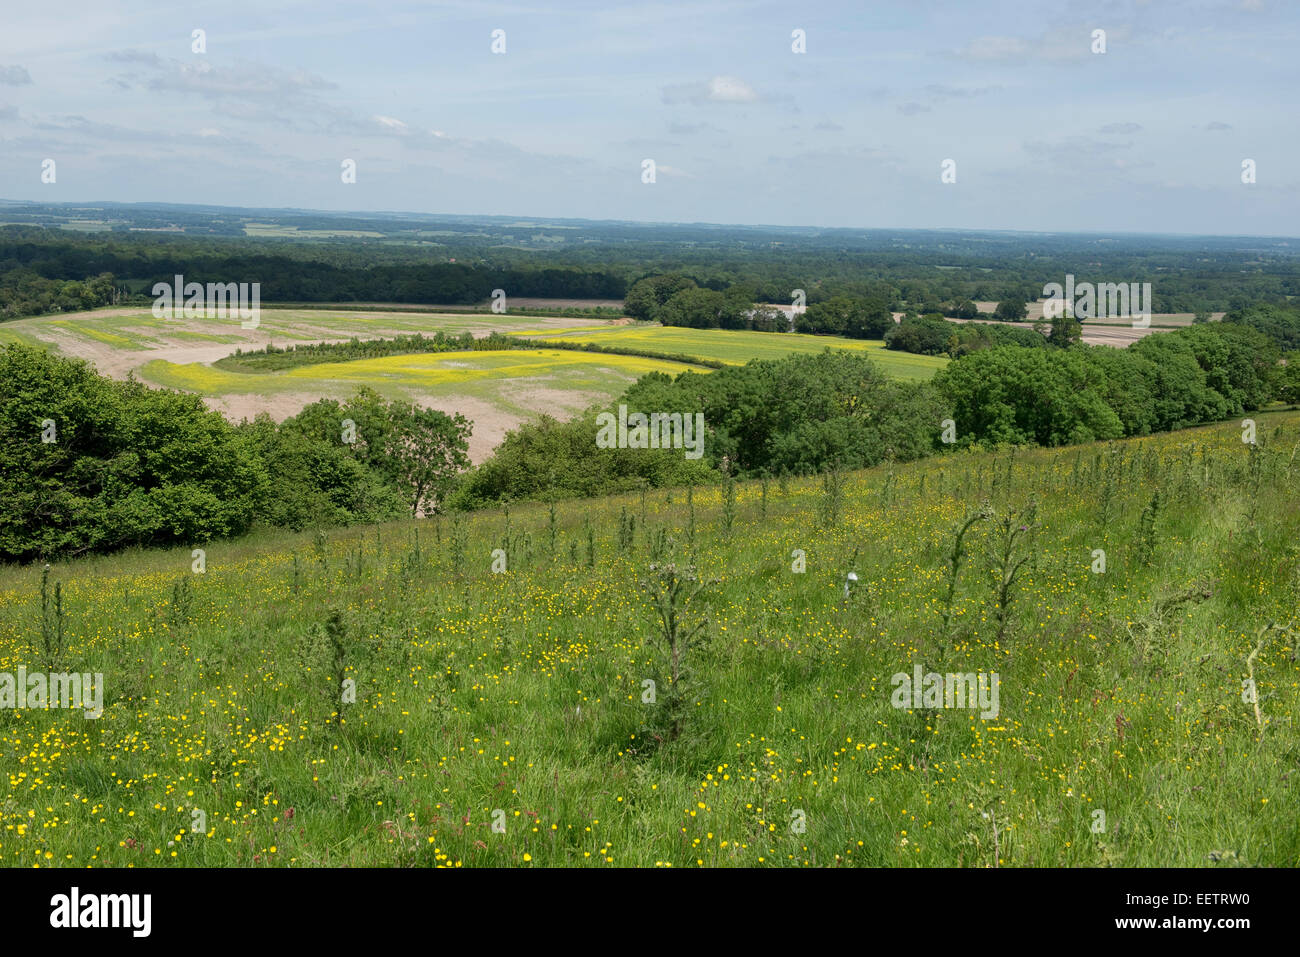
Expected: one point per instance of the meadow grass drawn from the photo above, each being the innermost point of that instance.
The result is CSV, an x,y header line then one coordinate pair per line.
x,y
519,698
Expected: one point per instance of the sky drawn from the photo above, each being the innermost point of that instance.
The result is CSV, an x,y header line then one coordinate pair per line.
x,y
1044,134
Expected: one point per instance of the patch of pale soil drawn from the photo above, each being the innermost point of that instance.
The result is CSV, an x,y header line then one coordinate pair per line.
x,y
237,407
557,403
1095,333
491,423
96,353
1035,310
533,303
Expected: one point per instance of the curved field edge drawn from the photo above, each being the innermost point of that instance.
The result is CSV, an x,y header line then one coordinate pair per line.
x,y
416,371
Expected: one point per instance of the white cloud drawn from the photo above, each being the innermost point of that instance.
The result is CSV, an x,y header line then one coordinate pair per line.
x,y
718,89
730,89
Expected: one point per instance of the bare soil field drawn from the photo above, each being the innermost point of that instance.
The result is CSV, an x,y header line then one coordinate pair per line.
x,y
1157,318
1114,334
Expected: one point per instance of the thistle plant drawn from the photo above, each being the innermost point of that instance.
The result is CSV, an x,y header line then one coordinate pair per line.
x,y
658,543
690,517
832,500
182,602
955,556
52,620
670,592
1012,550
1253,697
457,544
550,526
728,504
626,530
1147,529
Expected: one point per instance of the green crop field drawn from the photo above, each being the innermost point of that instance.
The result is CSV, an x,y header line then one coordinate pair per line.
x,y
386,695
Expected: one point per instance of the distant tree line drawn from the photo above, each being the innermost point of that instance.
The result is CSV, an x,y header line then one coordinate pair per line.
x,y
917,274
26,293
676,300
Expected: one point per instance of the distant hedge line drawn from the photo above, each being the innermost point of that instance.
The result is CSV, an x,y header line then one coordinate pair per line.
x,y
274,358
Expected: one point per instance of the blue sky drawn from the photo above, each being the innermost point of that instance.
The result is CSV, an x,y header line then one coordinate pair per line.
x,y
1047,135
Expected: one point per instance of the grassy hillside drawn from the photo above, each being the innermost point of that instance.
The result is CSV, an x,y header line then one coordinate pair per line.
x,y
523,692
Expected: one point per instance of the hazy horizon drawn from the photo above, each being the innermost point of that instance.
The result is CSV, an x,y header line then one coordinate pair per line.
x,y
1047,134
527,217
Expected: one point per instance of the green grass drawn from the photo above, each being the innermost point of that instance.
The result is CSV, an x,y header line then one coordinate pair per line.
x,y
523,692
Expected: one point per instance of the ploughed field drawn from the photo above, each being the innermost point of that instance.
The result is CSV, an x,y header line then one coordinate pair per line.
x,y
476,690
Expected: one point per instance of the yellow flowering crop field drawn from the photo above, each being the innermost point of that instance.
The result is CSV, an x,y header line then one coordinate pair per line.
x,y
496,689
738,346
